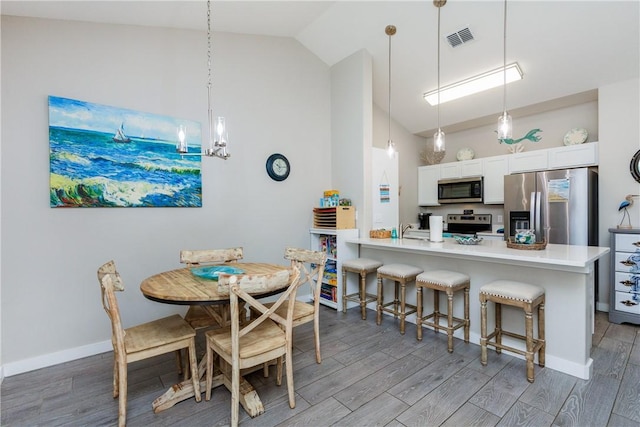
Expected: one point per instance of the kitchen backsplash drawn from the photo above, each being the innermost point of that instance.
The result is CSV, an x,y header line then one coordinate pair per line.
x,y
496,211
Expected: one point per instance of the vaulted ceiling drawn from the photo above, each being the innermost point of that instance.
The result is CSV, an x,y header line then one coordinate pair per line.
x,y
566,49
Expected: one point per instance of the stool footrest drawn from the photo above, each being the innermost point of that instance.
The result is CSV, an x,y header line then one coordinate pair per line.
x,y
537,344
355,297
457,322
408,308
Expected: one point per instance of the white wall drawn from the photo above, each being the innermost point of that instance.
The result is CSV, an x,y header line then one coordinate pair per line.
x,y
619,113
408,146
276,97
351,129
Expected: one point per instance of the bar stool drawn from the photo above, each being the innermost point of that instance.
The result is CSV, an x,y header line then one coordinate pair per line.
x,y
516,294
449,282
401,274
362,266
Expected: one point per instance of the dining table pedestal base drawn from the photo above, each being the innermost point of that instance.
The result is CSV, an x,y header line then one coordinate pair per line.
x,y
249,398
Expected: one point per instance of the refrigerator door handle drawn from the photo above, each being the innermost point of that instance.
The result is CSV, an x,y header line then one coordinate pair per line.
x,y
538,222
532,210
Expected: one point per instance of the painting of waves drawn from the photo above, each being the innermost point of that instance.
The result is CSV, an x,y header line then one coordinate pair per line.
x,y
103,156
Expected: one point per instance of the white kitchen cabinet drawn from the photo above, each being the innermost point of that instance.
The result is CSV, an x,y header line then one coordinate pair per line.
x,y
573,156
428,177
495,168
333,243
529,161
462,169
624,292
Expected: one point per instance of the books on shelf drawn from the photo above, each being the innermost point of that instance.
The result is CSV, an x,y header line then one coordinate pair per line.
x,y
329,292
328,245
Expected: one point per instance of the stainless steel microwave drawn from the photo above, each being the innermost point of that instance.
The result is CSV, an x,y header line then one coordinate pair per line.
x,y
461,190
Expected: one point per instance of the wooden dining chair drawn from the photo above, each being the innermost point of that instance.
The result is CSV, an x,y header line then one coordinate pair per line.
x,y
144,341
252,343
304,312
196,316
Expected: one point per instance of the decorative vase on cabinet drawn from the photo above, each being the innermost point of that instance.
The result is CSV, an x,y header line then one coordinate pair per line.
x,y
333,243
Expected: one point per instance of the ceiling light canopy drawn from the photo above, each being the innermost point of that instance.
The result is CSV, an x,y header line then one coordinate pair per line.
x,y
475,84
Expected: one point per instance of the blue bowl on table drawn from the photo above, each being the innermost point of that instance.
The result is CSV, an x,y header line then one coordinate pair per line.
x,y
212,272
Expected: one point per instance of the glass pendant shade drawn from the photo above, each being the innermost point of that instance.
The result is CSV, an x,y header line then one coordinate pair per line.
x,y
438,141
182,139
505,126
391,148
221,131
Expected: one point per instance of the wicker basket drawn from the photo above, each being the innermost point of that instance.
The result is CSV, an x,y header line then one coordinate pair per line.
x,y
527,246
380,234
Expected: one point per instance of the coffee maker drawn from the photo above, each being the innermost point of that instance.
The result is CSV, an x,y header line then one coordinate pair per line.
x,y
423,219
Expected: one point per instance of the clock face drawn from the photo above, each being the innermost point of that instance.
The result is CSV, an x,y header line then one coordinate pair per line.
x,y
278,167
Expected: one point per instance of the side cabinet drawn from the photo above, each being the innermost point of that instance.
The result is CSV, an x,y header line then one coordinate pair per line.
x,y
333,243
624,296
428,177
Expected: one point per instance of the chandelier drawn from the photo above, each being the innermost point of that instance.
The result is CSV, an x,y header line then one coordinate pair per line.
x,y
218,137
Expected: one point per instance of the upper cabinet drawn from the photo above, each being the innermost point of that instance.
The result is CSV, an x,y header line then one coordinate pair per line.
x,y
461,169
529,161
573,156
493,169
428,177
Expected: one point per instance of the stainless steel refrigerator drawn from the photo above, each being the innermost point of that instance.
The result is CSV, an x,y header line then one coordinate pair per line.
x,y
561,205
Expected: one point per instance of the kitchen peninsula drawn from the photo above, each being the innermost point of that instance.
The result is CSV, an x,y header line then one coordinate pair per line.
x,y
565,271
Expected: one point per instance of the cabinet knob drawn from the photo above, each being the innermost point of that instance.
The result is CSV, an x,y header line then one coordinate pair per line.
x,y
627,263
627,282
629,303
636,244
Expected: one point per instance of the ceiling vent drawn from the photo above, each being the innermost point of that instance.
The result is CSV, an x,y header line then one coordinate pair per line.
x,y
460,37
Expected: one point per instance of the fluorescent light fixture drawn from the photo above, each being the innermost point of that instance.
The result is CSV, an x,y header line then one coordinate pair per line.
x,y
479,83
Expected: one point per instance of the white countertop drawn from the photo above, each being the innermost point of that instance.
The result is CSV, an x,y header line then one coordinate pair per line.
x,y
559,257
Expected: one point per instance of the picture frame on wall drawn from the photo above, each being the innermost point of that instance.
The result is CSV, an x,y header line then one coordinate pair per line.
x,y
103,156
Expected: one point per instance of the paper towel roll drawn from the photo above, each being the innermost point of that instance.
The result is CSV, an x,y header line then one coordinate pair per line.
x,y
435,228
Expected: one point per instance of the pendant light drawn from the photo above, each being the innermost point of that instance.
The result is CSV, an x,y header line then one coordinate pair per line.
x,y
438,137
505,126
218,137
390,30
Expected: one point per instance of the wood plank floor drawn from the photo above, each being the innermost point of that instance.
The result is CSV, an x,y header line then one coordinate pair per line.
x,y
370,375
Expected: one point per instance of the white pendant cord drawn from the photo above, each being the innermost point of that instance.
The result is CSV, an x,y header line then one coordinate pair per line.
x,y
504,59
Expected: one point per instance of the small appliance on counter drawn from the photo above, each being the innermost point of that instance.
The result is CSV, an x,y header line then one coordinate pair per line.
x,y
423,219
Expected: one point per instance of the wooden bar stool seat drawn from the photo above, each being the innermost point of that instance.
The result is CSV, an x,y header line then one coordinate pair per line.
x,y
449,282
401,274
516,294
361,266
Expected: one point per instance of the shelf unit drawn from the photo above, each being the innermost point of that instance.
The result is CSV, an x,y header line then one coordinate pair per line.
x,y
624,294
333,243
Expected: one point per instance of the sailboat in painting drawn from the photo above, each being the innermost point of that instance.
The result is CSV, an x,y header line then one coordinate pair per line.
x,y
120,136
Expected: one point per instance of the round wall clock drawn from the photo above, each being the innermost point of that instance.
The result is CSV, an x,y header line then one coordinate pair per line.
x,y
635,166
278,167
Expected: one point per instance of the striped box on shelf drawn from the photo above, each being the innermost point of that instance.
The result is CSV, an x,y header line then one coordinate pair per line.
x,y
338,218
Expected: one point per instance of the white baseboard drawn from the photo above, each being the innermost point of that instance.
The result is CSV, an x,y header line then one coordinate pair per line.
x,y
56,358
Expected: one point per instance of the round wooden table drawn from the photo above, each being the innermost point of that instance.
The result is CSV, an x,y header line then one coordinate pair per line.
x,y
182,287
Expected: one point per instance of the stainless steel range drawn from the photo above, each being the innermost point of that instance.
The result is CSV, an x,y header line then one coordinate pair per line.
x,y
468,223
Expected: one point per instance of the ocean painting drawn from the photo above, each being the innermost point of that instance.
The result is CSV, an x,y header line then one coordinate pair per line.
x,y
102,156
